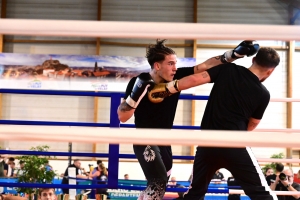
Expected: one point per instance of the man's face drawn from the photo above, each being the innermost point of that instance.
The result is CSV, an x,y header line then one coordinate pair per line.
x,y
77,164
48,194
167,68
289,176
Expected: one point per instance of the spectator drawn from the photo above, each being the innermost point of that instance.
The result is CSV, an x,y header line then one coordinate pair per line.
x,y
77,166
286,184
12,167
298,175
173,184
20,171
46,194
269,171
7,168
101,175
271,178
2,164
126,176
218,175
47,166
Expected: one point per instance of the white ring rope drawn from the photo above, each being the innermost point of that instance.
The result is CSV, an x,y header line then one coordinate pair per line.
x,y
284,100
150,136
117,29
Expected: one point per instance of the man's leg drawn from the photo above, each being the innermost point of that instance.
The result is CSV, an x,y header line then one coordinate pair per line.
x,y
205,165
154,169
166,155
246,170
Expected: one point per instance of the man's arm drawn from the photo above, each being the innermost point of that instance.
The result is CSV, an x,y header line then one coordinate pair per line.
x,y
193,80
245,48
252,124
135,93
125,112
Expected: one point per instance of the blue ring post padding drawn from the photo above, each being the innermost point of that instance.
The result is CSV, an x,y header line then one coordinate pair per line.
x,y
113,157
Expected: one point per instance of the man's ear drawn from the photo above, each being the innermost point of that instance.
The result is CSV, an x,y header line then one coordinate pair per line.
x,y
156,66
269,72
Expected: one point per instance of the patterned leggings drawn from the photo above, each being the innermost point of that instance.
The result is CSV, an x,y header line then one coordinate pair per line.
x,y
156,163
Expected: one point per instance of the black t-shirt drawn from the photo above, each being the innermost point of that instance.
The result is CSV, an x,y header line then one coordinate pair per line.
x,y
157,115
236,96
65,179
6,166
281,187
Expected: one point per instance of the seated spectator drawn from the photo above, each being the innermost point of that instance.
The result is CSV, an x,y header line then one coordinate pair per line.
x,y
218,176
126,176
269,171
173,184
286,184
18,172
46,194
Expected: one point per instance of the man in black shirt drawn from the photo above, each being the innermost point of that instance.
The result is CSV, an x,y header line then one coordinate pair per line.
x,y
75,165
237,102
152,112
286,184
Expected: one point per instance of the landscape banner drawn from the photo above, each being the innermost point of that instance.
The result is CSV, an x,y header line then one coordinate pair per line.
x,y
72,72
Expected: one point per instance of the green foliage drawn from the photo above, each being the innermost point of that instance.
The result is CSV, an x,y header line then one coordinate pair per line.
x,y
272,165
34,170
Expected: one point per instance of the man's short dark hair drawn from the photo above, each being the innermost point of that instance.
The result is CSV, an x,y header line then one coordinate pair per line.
x,y
11,159
267,57
21,162
157,52
279,167
99,162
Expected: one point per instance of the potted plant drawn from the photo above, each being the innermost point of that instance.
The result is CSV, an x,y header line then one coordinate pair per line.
x,y
35,171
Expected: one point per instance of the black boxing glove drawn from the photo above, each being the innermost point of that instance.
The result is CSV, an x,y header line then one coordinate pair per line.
x,y
143,83
245,48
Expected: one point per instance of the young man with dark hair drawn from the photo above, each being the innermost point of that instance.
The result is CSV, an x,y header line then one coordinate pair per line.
x,y
47,194
151,111
237,101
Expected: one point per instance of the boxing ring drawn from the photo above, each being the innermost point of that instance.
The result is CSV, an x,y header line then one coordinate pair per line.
x,y
126,133
116,133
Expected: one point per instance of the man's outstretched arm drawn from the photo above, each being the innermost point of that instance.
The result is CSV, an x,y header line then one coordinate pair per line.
x,y
245,48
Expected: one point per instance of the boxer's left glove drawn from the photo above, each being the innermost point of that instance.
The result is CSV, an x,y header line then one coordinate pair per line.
x,y
143,83
245,48
163,90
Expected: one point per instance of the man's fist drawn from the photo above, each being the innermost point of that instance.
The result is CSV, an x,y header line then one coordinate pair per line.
x,y
245,48
162,90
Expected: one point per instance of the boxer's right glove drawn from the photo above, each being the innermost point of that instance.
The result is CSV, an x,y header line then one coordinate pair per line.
x,y
162,90
143,83
245,48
